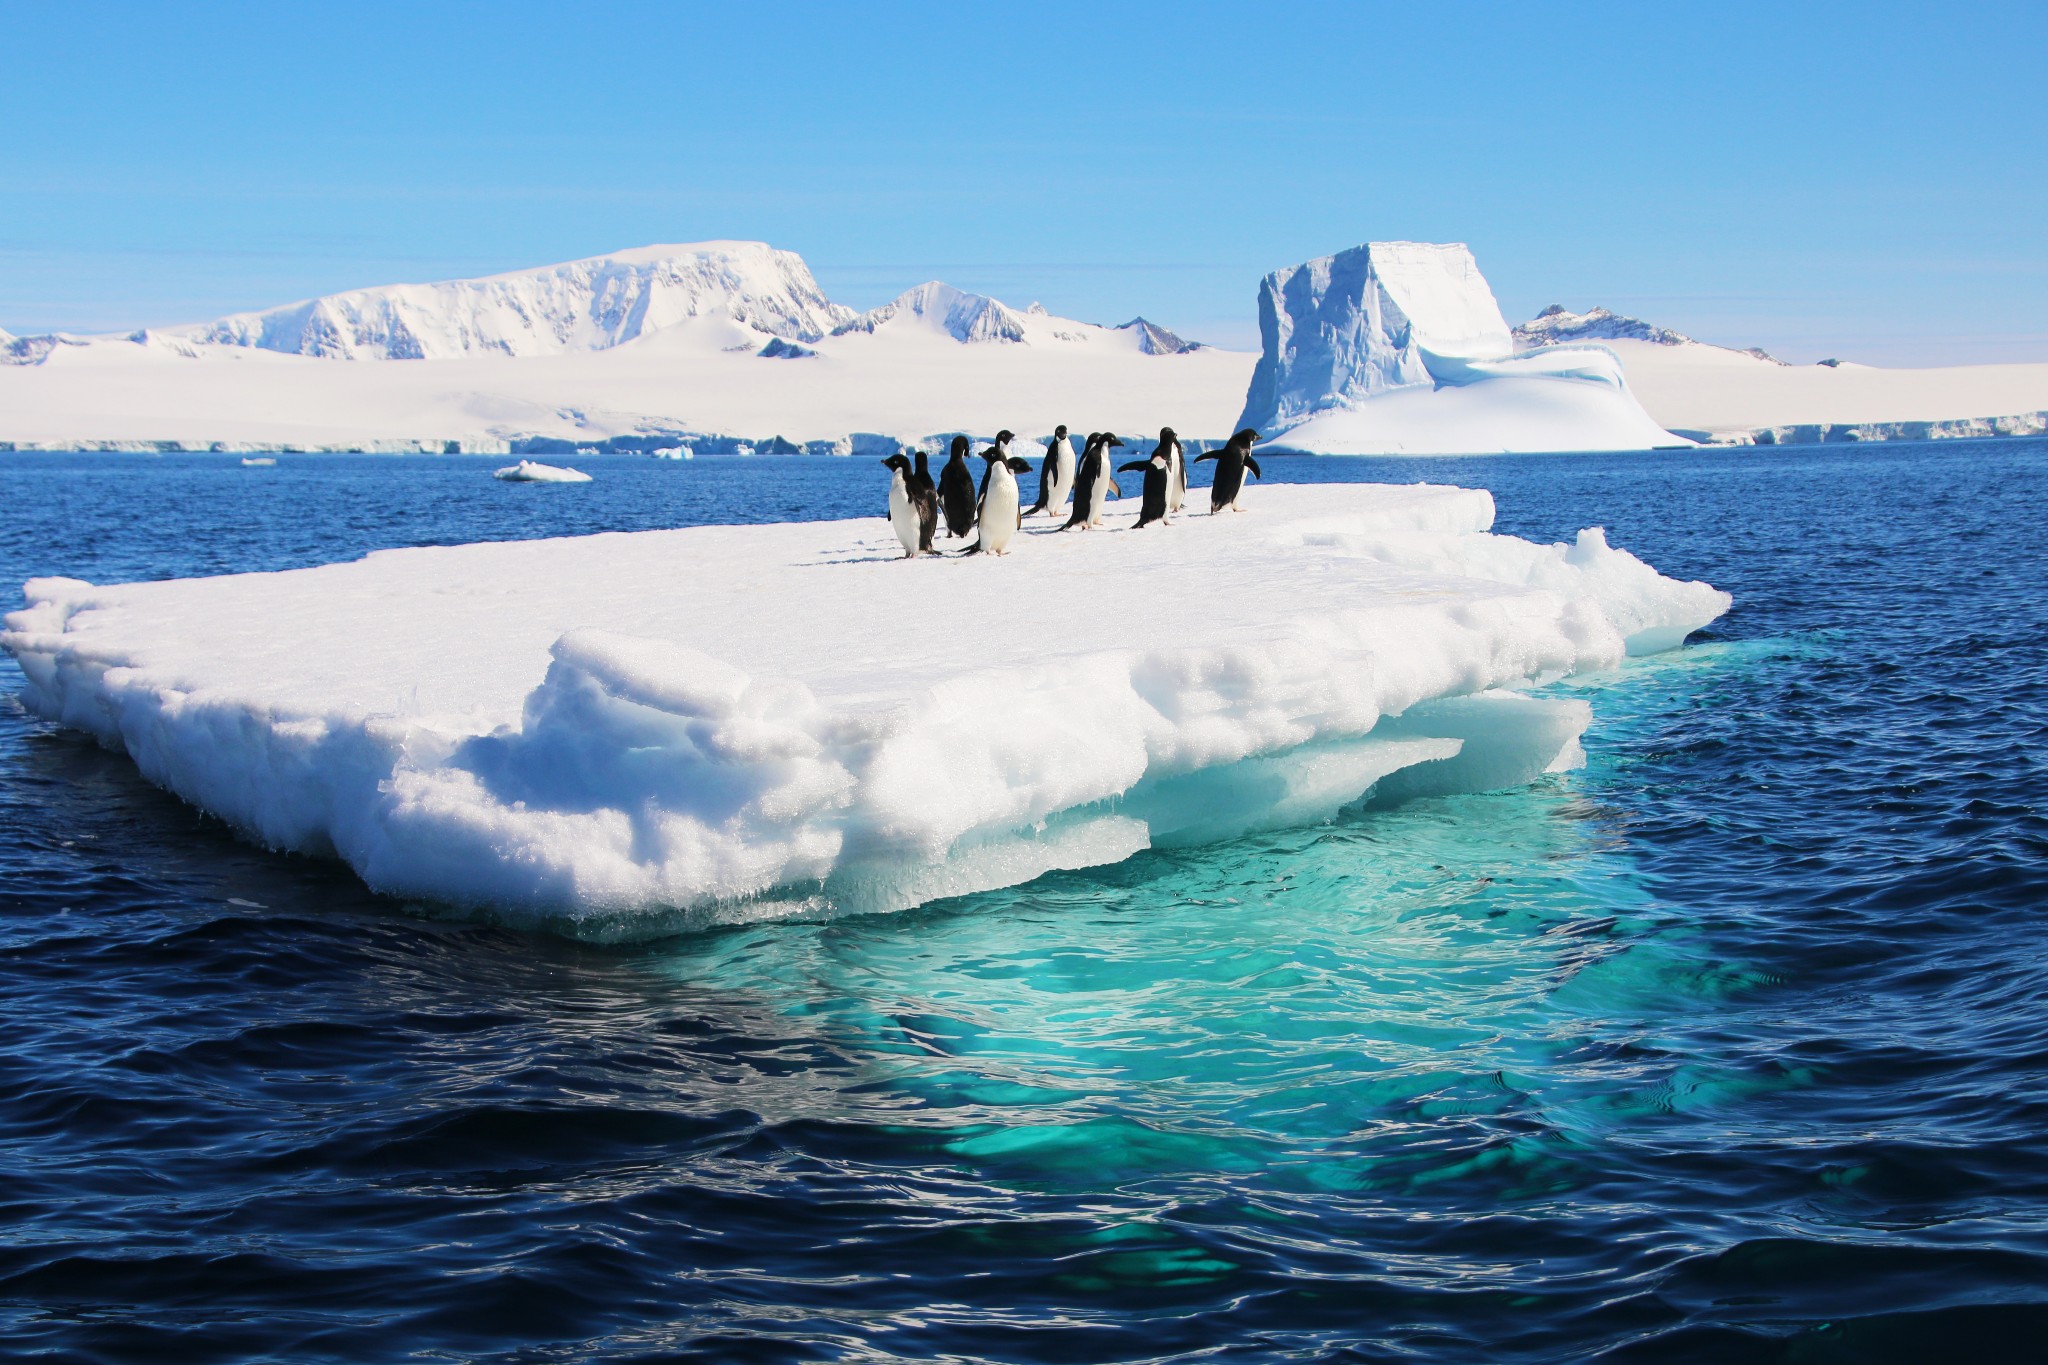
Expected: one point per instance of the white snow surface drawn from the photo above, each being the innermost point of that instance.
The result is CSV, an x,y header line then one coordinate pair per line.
x,y
622,734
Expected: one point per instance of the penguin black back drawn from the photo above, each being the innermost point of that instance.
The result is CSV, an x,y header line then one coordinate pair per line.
x,y
1157,469
957,495
1231,463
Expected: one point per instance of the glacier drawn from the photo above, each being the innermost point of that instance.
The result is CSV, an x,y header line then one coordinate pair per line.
x,y
620,735
1400,348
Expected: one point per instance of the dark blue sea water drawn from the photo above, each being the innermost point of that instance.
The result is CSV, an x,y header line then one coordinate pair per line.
x,y
1731,1046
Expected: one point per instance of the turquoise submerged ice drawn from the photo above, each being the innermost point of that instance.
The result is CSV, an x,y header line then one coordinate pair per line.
x,y
608,732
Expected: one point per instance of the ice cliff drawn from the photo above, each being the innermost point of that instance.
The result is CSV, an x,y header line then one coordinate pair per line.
x,y
1400,347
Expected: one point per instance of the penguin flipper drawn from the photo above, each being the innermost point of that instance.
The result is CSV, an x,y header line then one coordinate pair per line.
x,y
1199,458
1133,466
1253,466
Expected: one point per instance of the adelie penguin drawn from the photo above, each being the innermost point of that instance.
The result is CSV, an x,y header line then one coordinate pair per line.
x,y
956,490
1158,469
913,507
1231,463
1176,469
999,451
1002,506
1094,484
1056,475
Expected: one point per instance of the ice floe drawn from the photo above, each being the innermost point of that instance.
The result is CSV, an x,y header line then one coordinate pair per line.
x,y
533,471
616,734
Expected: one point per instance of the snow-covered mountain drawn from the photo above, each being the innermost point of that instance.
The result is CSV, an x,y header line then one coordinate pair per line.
x,y
1557,324
937,310
933,306
1156,340
587,305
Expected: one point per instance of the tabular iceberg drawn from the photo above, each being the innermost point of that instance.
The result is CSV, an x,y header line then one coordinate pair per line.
x,y
1400,348
617,734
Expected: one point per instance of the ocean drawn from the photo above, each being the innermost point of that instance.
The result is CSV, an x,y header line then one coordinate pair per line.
x,y
1732,1045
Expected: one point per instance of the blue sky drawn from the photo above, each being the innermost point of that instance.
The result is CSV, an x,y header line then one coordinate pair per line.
x,y
1862,180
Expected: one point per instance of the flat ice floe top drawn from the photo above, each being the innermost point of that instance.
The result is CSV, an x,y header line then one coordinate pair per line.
x,y
727,721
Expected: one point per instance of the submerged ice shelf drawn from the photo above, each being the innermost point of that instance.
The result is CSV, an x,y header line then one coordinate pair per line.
x,y
617,733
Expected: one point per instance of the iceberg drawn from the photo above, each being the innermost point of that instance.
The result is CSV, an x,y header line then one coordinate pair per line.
x,y
1400,348
618,735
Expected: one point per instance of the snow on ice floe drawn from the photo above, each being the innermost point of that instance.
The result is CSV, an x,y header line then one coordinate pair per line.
x,y
1400,348
618,734
533,471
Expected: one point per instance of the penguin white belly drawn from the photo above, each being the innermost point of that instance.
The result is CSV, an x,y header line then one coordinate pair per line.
x,y
903,515
1176,478
1098,497
1062,458
999,511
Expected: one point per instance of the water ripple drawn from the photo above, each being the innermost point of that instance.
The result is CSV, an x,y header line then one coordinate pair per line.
x,y
1730,1047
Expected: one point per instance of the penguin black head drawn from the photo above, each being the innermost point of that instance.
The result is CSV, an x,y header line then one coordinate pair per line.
x,y
1018,464
960,444
1059,433
1245,438
1110,440
897,463
1166,436
1005,436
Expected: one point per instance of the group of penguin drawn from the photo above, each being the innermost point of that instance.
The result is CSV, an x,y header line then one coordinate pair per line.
x,y
997,509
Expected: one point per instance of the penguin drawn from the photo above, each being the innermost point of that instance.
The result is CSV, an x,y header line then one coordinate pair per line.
x,y
956,490
1002,507
913,507
999,451
1056,475
1158,468
1176,469
1231,463
1092,482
